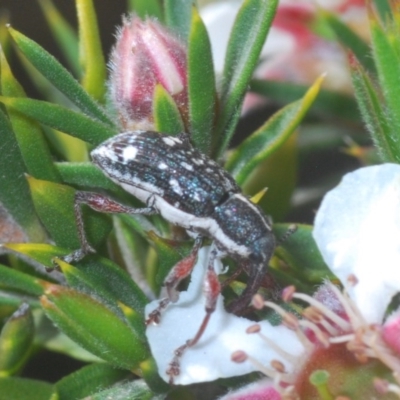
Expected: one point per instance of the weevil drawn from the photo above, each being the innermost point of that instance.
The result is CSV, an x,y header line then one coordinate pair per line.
x,y
192,191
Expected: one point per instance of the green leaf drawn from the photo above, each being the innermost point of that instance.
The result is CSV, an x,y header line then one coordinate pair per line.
x,y
350,40
54,204
133,390
152,378
278,174
68,147
24,389
8,305
49,337
32,144
93,326
87,175
135,320
146,8
167,118
16,280
177,16
14,194
387,61
87,381
42,85
376,119
58,76
245,43
201,85
62,119
302,259
91,53
108,279
16,340
38,254
383,8
133,250
63,33
270,136
329,104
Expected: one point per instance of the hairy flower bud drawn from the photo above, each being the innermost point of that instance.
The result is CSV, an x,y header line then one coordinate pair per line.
x,y
145,54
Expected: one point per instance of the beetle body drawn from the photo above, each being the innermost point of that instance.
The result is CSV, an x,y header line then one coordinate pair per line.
x,y
192,191
189,190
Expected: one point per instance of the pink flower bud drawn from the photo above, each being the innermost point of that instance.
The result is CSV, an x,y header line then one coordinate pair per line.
x,y
145,54
391,331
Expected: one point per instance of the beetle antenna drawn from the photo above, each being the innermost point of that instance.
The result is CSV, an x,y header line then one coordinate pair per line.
x,y
292,229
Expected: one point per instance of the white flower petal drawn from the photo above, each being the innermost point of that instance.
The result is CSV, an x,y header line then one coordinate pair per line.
x,y
210,358
357,230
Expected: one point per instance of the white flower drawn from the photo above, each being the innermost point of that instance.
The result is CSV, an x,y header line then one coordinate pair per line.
x,y
357,230
210,358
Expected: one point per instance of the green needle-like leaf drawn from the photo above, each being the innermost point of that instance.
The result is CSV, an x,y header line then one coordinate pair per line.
x,y
63,33
11,279
150,375
38,254
167,118
58,76
201,85
270,136
387,61
301,257
146,8
62,119
93,326
375,116
350,40
14,194
177,16
88,380
87,175
16,339
25,389
32,144
245,43
91,54
108,279
132,390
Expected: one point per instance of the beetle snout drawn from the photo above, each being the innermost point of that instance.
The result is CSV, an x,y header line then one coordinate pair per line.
x,y
262,249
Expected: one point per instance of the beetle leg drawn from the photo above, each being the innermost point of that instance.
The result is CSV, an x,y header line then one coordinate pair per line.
x,y
240,268
101,203
212,290
178,272
256,277
181,270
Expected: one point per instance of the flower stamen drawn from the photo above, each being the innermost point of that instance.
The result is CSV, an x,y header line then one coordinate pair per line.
x,y
382,386
291,322
256,328
276,372
340,322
